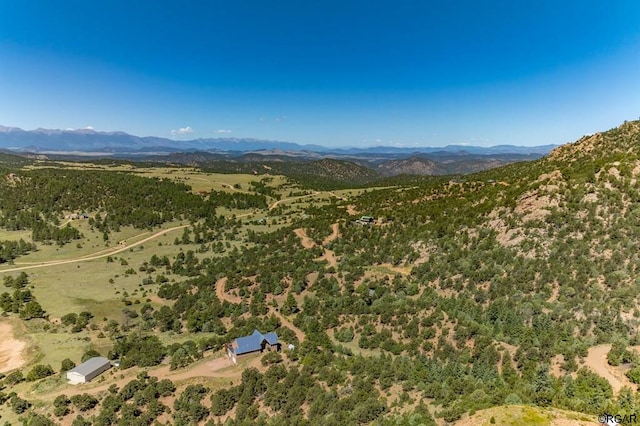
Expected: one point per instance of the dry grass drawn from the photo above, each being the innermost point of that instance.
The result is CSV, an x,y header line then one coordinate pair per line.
x,y
522,415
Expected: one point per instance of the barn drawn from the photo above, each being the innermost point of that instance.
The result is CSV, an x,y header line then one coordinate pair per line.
x,y
88,370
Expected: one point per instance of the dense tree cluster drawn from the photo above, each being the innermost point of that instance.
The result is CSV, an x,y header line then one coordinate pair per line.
x,y
9,250
21,301
114,199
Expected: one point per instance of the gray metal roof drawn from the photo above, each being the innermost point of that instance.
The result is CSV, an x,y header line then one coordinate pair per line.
x,y
91,365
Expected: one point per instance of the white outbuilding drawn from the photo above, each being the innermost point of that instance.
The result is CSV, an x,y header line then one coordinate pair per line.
x,y
88,370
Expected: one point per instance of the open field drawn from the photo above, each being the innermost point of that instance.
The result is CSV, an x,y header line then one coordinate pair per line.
x,y
15,235
197,179
73,280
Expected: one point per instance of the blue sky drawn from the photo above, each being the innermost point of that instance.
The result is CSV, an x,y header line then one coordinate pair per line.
x,y
335,73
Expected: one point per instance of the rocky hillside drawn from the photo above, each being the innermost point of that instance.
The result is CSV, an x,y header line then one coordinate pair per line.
x,y
542,256
622,142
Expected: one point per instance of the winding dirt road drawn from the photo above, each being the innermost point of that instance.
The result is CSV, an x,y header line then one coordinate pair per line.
x,y
335,233
308,243
299,334
222,295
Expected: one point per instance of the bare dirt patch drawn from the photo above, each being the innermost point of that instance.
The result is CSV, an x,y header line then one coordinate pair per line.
x,y
551,177
555,293
596,360
11,349
556,365
507,236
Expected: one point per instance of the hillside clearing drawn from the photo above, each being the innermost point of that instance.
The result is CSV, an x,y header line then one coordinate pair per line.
x,y
521,415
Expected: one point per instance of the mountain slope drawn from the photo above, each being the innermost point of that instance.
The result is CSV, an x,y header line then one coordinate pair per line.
x,y
619,142
539,256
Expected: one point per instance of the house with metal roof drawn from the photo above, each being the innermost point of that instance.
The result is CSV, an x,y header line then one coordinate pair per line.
x,y
88,370
256,342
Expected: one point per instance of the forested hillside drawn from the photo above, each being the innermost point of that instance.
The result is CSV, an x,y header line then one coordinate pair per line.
x,y
463,294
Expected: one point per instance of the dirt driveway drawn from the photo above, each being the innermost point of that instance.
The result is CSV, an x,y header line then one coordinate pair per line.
x,y
596,360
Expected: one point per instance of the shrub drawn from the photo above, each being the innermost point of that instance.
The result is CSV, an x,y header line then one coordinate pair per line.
x,y
61,404
66,365
634,375
14,378
90,354
271,358
69,319
39,372
19,405
84,401
344,335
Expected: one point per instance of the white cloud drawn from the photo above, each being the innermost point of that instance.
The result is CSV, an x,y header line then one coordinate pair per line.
x,y
224,131
88,127
181,131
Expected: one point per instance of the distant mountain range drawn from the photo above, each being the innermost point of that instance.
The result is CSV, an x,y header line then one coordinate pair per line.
x,y
242,154
90,141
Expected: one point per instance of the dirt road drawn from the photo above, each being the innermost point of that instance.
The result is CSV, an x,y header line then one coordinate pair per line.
x,y
220,293
94,256
335,233
277,203
287,323
308,243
